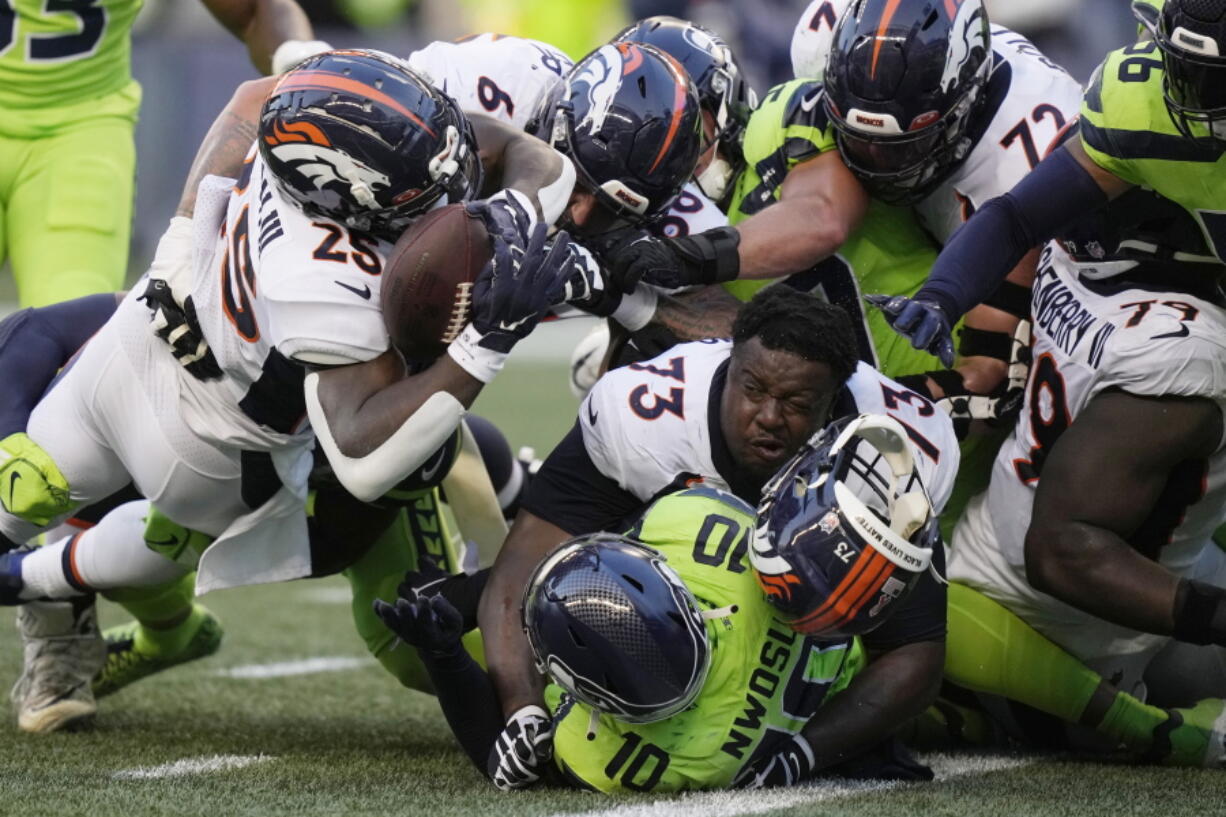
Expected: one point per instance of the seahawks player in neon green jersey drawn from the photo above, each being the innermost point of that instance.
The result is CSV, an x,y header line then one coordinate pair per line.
x,y
670,670
68,107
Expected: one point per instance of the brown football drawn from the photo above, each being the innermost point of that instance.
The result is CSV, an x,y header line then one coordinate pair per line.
x,y
427,281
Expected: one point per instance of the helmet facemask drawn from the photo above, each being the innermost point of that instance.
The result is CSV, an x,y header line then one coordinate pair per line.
x,y
904,167
845,529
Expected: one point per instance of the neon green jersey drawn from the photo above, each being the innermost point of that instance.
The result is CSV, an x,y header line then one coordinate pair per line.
x,y
1126,130
765,680
889,252
59,52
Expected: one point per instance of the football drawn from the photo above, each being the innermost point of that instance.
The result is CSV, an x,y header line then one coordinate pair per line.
x,y
428,278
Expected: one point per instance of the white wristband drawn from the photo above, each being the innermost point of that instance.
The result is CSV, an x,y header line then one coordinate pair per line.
x,y
483,364
637,308
292,52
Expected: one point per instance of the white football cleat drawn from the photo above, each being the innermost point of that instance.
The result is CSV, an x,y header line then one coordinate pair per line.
x,y
62,651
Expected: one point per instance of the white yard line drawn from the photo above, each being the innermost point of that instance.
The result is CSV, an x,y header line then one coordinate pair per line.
x,y
734,803
191,765
306,666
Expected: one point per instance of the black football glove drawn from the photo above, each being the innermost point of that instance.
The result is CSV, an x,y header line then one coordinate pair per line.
x,y
507,215
709,257
517,287
920,321
428,623
522,751
176,324
789,765
586,287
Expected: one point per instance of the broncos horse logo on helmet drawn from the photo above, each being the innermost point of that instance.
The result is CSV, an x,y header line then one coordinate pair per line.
x,y
628,117
723,91
358,137
902,83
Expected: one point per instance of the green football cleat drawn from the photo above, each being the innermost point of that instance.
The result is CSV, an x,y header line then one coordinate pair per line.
x,y
130,656
1194,736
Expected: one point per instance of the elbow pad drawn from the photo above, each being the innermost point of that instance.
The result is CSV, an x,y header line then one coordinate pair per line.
x,y
373,475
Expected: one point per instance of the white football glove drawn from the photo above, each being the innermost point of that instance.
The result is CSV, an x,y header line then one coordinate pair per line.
x,y
523,750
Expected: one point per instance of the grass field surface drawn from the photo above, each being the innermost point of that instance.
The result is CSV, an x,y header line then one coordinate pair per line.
x,y
292,717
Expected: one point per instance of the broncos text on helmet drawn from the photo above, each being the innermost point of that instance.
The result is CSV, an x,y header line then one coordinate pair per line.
x,y
902,84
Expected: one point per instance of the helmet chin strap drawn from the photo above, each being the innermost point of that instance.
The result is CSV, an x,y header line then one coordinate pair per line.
x,y
714,180
363,195
446,164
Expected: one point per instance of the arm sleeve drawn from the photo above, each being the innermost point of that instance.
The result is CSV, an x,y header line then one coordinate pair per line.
x,y
922,615
37,343
569,491
469,702
983,251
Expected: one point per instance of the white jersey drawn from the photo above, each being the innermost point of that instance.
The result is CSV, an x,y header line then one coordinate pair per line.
x,y
274,288
1137,341
1033,100
691,213
646,424
493,74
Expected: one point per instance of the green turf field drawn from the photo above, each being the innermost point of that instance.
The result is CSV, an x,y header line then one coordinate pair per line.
x,y
291,718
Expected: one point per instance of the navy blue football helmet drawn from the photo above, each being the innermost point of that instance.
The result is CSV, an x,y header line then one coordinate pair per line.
x,y
903,82
616,627
1191,35
628,117
845,529
722,90
358,137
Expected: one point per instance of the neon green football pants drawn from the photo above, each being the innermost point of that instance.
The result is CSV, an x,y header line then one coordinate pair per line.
x,y
66,190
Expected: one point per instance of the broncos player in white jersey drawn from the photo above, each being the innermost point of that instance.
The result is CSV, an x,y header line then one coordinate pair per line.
x,y
349,260
230,423
728,414
1118,460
